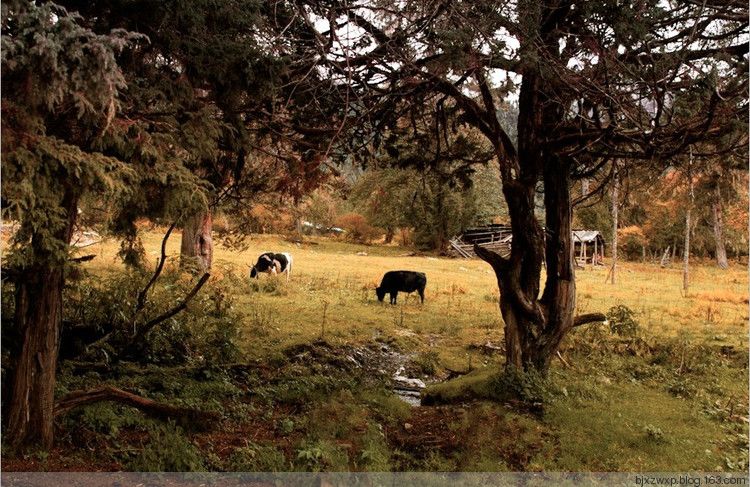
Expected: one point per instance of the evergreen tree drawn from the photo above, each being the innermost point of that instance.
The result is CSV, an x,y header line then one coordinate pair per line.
x,y
60,99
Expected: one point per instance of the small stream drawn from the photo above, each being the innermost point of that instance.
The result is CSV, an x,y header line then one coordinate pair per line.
x,y
408,389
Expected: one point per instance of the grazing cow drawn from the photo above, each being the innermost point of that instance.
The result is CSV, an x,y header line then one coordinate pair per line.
x,y
272,263
406,281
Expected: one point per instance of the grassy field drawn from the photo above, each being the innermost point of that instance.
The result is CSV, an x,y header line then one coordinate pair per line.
x,y
331,293
671,398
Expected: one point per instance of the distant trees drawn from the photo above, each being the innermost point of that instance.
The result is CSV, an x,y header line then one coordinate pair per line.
x,y
653,206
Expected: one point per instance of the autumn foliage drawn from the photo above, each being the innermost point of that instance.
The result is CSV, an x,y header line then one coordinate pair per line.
x,y
357,229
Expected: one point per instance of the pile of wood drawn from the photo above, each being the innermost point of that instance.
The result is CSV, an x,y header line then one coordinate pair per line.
x,y
493,237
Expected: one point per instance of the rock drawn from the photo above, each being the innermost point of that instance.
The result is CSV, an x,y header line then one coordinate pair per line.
x,y
407,382
361,253
407,426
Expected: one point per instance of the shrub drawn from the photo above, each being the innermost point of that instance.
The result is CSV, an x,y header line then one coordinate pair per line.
x,y
528,386
622,321
631,242
206,330
427,362
357,228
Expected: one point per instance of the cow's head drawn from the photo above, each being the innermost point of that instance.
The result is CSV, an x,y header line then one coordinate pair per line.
x,y
380,293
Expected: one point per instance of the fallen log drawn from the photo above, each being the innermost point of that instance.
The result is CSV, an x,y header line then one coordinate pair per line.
x,y
159,410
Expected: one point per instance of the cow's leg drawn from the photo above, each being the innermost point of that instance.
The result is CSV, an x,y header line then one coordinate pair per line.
x,y
394,296
421,294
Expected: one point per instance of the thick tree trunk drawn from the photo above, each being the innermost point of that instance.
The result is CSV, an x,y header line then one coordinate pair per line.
x,y
559,297
615,214
197,248
718,224
38,315
535,328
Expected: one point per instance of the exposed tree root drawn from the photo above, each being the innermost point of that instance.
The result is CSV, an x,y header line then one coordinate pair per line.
x,y
108,393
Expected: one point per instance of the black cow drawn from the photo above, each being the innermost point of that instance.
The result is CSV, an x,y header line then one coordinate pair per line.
x,y
272,263
406,281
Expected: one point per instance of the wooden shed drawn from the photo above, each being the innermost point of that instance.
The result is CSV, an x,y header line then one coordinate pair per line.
x,y
494,237
589,247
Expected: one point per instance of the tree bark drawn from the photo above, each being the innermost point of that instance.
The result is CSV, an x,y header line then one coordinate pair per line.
x,y
534,328
38,314
718,224
615,214
197,247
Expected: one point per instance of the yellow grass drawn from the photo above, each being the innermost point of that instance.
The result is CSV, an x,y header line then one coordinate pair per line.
x,y
331,293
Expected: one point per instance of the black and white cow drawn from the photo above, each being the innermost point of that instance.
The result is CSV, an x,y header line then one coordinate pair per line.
x,y
405,281
272,263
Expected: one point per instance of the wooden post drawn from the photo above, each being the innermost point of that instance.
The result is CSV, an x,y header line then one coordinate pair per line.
x,y
583,251
596,252
615,216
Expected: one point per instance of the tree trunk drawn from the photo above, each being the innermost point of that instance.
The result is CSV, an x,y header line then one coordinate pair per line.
x,y
389,234
38,314
535,328
718,224
615,212
688,222
686,253
197,246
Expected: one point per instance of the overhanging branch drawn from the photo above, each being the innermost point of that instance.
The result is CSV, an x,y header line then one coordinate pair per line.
x,y
587,318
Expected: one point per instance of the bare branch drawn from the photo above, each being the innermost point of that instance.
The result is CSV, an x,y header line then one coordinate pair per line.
x,y
589,318
142,295
165,316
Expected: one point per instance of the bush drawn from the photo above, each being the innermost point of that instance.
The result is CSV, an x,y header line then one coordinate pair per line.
x,y
427,362
631,242
322,456
206,330
528,386
357,229
622,321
